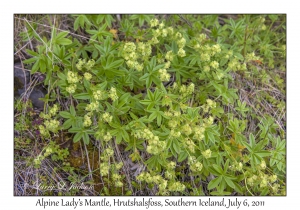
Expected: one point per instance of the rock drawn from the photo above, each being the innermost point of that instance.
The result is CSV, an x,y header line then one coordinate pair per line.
x,y
21,74
35,96
20,77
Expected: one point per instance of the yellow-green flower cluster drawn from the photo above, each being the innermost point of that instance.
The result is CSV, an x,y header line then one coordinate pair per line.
x,y
144,49
190,144
208,121
169,175
263,183
71,88
87,121
169,55
131,57
52,125
214,64
263,27
186,129
273,178
154,40
174,134
104,168
48,151
83,64
195,165
176,187
98,95
252,56
156,33
108,152
43,131
92,106
90,64
206,68
119,165
156,179
107,117
164,75
154,22
216,49
263,165
107,137
156,146
160,31
72,77
210,105
53,110
139,133
181,42
170,31
178,35
262,19
275,188
128,51
218,75
185,90
113,94
117,180
206,154
164,32
167,65
80,64
234,65
172,123
181,52
251,181
204,57
201,37
238,166
87,76
199,132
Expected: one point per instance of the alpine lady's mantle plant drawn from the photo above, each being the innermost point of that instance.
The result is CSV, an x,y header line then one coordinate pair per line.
x,y
161,96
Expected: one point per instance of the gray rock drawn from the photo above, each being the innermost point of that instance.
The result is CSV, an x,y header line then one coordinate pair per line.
x,y
21,74
19,87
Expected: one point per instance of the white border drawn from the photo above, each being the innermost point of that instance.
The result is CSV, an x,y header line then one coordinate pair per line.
x,y
8,8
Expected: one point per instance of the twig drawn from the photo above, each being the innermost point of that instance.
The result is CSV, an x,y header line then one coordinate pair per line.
x,y
120,157
88,161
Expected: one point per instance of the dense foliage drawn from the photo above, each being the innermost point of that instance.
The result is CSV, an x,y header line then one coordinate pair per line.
x,y
156,104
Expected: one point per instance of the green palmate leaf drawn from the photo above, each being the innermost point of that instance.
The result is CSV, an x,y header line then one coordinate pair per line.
x,y
72,111
229,182
214,183
30,60
65,114
218,169
154,162
61,76
82,96
220,193
75,130
86,138
77,137
63,41
68,123
176,146
182,156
